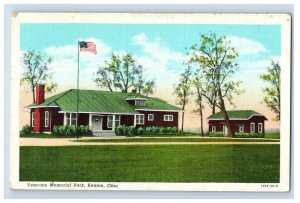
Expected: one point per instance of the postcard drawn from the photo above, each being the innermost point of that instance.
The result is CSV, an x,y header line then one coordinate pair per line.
x,y
150,101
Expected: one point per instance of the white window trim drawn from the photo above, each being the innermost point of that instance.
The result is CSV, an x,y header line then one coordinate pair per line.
x,y
70,119
260,129
46,119
252,131
32,119
152,117
117,120
167,117
213,128
241,128
139,102
139,123
108,122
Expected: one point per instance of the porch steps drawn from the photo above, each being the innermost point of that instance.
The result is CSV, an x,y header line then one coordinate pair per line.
x,y
101,133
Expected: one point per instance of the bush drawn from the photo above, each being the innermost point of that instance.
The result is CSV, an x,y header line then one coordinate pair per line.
x,y
71,130
26,129
249,135
216,134
132,130
141,131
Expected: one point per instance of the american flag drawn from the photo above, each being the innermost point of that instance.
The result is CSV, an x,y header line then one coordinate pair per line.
x,y
88,46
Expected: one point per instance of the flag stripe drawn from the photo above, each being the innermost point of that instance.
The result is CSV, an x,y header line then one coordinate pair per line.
x,y
88,47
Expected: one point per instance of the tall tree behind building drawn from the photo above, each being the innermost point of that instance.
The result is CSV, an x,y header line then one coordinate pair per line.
x,y
36,70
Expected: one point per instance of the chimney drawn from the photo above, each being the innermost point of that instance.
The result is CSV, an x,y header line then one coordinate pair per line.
x,y
39,94
133,91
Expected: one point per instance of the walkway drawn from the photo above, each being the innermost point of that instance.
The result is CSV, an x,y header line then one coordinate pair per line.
x,y
72,142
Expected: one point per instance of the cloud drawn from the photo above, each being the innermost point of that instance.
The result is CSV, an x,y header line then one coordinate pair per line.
x,y
246,46
65,61
157,51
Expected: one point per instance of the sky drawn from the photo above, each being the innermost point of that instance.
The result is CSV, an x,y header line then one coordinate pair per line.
x,y
161,49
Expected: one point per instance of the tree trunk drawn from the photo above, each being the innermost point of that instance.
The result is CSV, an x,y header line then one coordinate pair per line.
x,y
182,120
214,107
225,115
201,118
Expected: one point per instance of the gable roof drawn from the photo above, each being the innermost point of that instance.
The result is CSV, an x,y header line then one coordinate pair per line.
x,y
236,115
102,101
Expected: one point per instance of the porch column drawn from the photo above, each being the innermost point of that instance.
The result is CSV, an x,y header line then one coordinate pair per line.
x,y
90,120
134,120
113,123
65,118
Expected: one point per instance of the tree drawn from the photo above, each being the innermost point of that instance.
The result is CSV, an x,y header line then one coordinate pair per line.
x,y
272,93
197,82
216,59
122,73
36,71
183,91
142,85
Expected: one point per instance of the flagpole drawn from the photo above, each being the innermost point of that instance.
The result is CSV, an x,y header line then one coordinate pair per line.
x,y
77,110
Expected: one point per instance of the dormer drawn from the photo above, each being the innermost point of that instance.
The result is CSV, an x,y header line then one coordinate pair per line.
x,y
136,100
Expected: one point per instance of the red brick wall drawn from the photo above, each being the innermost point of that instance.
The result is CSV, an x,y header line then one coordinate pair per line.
x,y
159,119
236,123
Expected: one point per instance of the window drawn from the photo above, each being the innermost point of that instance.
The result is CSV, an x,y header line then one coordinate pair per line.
x,y
32,119
260,128
150,117
252,127
71,119
168,117
213,128
46,118
117,120
241,129
140,103
109,121
139,119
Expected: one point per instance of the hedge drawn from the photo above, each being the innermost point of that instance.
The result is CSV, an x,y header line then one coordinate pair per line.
x,y
249,135
71,130
133,131
216,134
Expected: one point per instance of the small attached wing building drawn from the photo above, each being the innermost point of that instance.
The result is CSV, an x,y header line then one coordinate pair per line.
x,y
247,121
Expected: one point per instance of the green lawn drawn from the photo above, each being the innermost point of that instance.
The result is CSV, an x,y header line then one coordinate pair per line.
x,y
152,163
46,135
273,136
166,139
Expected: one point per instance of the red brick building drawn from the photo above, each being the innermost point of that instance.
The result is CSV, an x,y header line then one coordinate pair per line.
x,y
101,110
246,121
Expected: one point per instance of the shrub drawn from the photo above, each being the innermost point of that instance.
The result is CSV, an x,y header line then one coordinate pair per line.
x,y
131,131
71,130
141,131
216,134
26,129
249,135
174,130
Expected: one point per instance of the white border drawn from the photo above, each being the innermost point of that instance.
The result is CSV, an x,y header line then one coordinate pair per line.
x,y
167,18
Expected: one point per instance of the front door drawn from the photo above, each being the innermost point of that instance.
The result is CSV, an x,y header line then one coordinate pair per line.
x,y
225,130
96,123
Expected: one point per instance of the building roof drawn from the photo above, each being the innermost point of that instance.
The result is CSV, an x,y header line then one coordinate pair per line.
x,y
102,101
236,115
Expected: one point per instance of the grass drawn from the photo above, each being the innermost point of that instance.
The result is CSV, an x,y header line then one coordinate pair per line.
x,y
273,136
46,135
166,139
152,163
